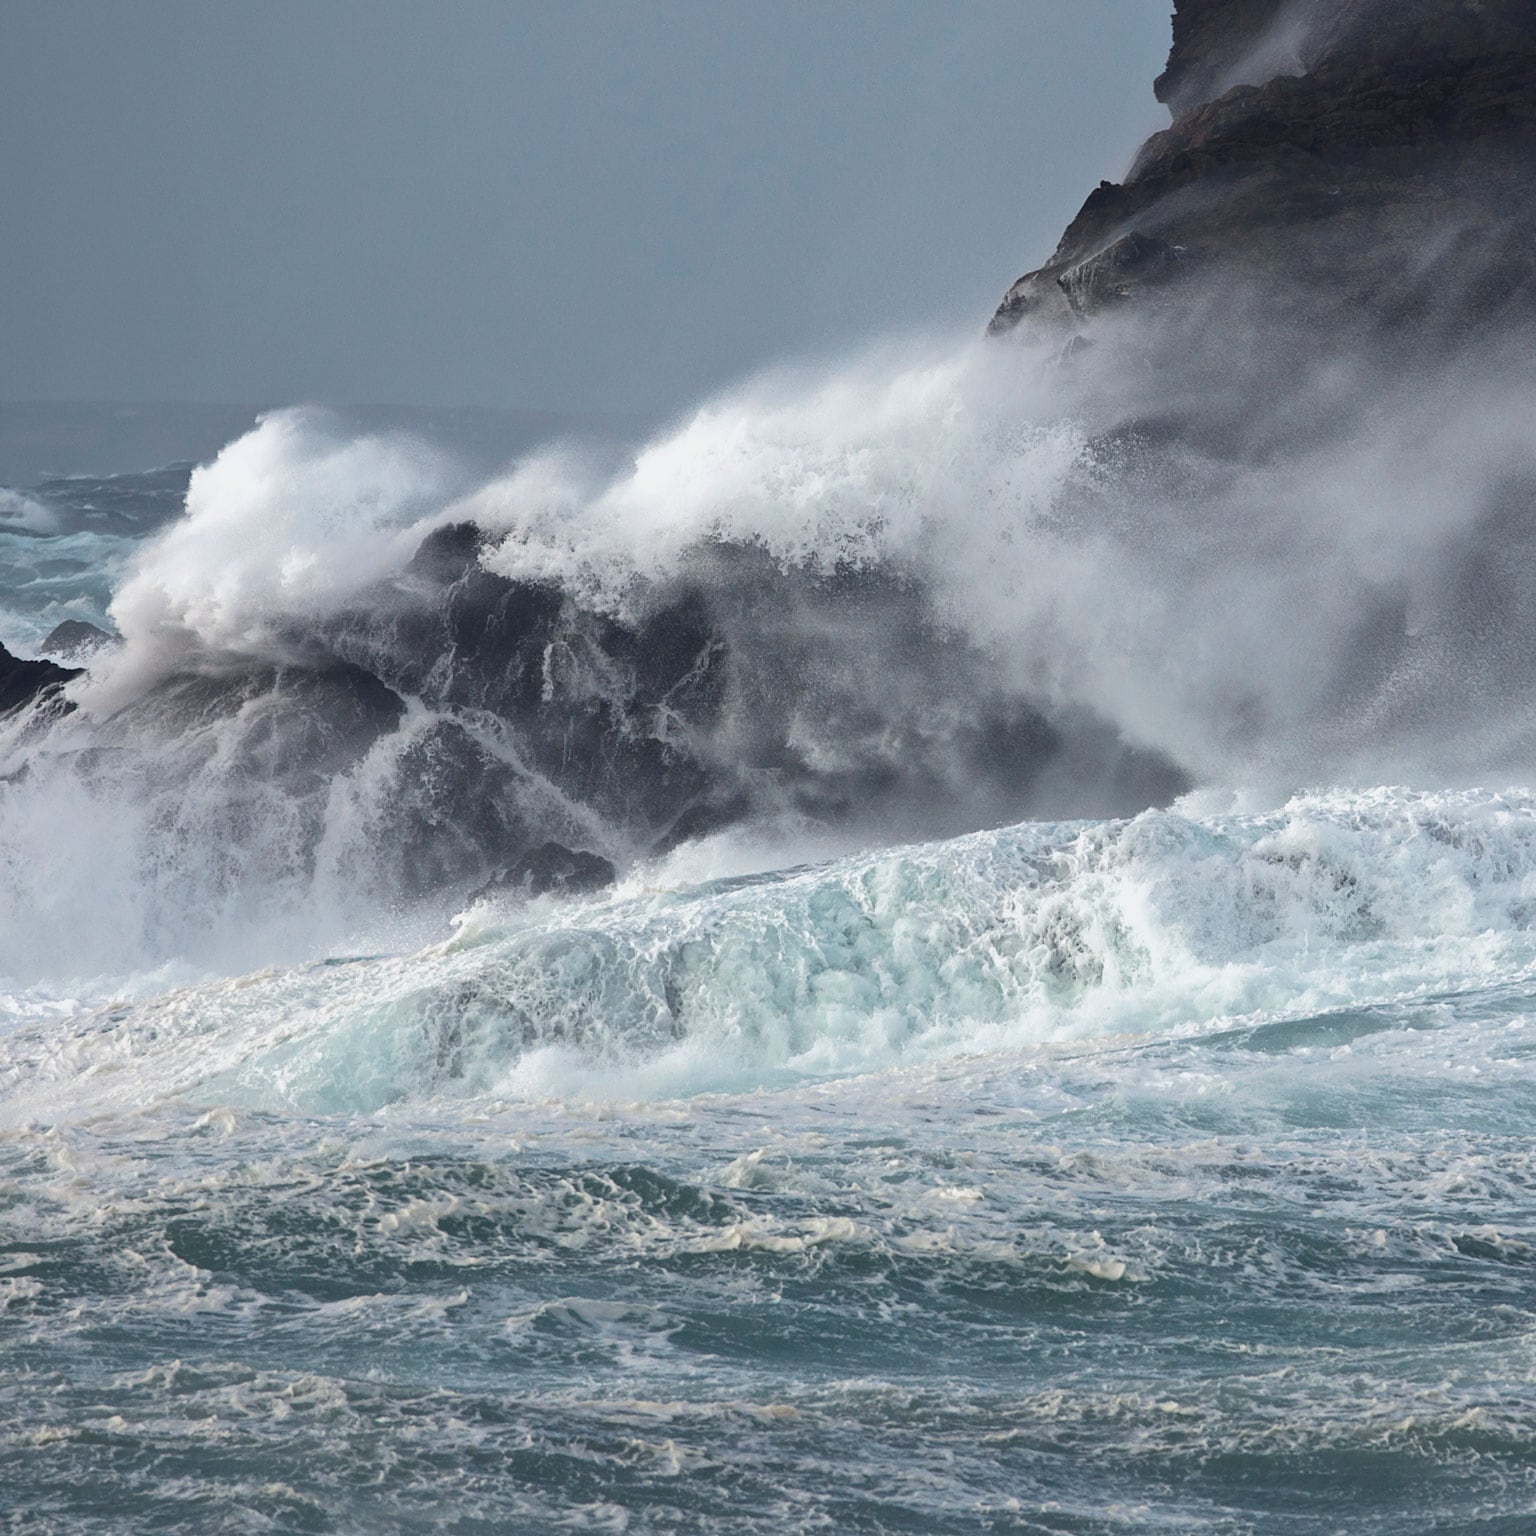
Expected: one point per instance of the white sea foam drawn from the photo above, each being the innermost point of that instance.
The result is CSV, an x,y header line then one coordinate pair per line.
x,y
287,523
1335,613
18,510
1040,934
1241,616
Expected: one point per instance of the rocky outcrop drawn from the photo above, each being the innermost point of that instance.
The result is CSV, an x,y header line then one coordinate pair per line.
x,y
74,640
1355,164
735,691
1212,41
552,869
1220,44
469,726
23,681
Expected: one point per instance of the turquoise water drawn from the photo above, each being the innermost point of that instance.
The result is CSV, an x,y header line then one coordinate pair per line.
x,y
1170,1175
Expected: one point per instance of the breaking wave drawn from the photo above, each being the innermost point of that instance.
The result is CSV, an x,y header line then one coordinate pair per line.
x,y
1041,934
935,590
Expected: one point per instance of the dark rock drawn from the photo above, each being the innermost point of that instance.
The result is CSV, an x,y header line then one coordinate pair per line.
x,y
283,733
1359,169
552,869
1211,44
298,722
1119,271
452,810
447,554
702,819
23,681
75,640
1219,45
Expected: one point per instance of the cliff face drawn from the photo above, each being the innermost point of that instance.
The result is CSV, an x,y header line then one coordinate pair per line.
x,y
1211,41
1369,161
1220,44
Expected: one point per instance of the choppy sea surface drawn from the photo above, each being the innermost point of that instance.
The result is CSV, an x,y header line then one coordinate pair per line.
x,y
1171,1174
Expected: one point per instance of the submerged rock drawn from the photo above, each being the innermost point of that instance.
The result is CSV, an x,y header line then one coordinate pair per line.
x,y
552,869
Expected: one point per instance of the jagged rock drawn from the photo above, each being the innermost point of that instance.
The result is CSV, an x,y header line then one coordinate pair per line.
x,y
452,809
1222,44
552,869
1119,271
74,640
22,681
1353,169
1211,43
447,554
732,690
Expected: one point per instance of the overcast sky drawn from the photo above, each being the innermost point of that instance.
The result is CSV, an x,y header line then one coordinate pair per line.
x,y
590,205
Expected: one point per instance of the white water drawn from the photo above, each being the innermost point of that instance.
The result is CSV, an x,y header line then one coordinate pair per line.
x,y
1226,620
1214,618
1167,924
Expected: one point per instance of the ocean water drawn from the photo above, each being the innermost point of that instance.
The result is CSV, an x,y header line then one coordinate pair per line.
x,y
1170,1174
1161,1172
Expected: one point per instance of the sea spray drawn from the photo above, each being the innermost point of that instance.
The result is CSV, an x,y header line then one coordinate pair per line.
x,y
929,590
1167,924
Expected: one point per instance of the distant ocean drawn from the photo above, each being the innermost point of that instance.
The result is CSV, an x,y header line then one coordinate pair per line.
x,y
1157,1172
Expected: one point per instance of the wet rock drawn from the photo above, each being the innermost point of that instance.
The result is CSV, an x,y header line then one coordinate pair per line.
x,y
447,554
552,869
297,725
452,809
1119,271
23,681
74,641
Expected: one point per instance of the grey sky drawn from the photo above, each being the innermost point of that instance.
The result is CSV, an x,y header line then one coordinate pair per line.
x,y
606,205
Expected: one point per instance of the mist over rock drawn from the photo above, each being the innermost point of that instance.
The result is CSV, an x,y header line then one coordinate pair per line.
x,y
551,869
1239,496
74,640
1304,327
1362,164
